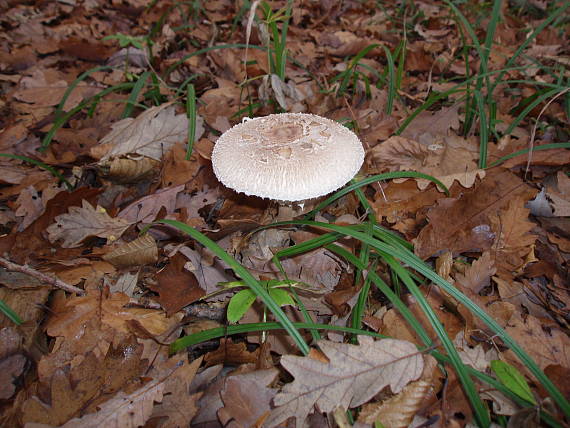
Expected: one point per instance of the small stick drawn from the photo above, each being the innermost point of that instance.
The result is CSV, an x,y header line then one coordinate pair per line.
x,y
48,279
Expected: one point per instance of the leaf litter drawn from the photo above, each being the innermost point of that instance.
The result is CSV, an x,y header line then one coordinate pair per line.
x,y
99,356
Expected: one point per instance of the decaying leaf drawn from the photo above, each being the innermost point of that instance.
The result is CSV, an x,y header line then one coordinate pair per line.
x,y
151,134
178,405
247,397
141,251
547,346
353,375
478,275
442,158
146,209
466,223
84,222
123,410
176,286
127,170
397,411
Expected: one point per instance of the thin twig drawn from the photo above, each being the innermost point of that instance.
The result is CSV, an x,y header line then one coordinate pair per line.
x,y
533,133
47,279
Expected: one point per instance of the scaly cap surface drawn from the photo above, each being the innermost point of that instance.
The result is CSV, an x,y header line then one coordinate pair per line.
x,y
287,156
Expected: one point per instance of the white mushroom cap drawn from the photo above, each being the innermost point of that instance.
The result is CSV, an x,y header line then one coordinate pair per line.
x,y
287,156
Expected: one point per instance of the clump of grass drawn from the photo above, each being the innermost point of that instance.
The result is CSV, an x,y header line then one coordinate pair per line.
x,y
385,247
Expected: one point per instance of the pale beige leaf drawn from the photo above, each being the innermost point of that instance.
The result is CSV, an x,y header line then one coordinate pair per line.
x,y
141,251
123,411
178,405
125,284
126,170
353,375
443,158
546,347
44,89
81,223
514,226
476,356
151,134
478,275
399,410
146,209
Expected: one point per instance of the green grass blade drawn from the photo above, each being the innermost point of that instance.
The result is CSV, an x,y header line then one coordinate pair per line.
x,y
481,413
528,40
10,314
247,277
419,266
74,84
137,88
218,332
565,145
391,81
530,107
372,179
191,114
42,165
483,129
388,292
60,121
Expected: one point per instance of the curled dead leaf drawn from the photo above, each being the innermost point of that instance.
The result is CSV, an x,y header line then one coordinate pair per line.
x,y
141,251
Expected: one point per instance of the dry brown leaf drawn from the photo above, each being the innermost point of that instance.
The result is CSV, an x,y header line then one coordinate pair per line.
x,y
247,397
30,206
439,159
124,410
547,346
353,375
141,251
178,404
176,286
429,124
464,223
81,223
151,134
109,309
513,226
397,411
208,272
560,196
146,209
125,284
127,170
209,381
11,368
46,88
230,353
478,275
476,356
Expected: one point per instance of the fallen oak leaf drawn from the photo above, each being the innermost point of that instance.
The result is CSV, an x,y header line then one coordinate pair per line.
x,y
123,410
399,410
83,222
179,405
443,159
151,134
352,376
247,397
138,252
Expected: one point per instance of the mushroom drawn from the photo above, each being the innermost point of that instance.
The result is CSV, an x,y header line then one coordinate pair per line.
x,y
287,157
